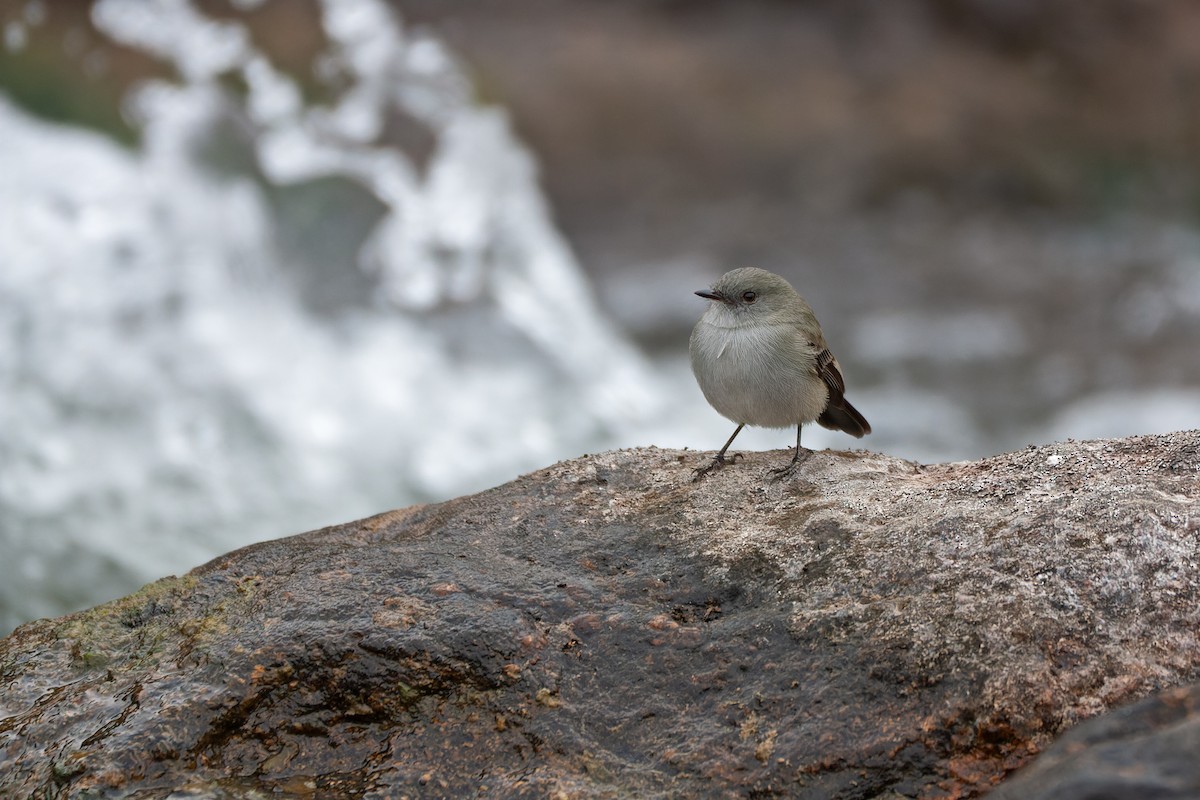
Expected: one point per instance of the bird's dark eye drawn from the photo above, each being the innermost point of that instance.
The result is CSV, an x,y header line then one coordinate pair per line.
x,y
749,297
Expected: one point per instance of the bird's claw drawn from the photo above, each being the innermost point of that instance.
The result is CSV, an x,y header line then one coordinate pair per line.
x,y
789,468
715,464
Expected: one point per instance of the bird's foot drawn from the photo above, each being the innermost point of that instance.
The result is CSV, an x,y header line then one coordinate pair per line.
x,y
791,467
717,462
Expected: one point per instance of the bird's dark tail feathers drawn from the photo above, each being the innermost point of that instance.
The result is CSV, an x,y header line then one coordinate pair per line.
x,y
844,417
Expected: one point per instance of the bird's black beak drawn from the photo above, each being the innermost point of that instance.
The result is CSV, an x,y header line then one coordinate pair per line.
x,y
709,294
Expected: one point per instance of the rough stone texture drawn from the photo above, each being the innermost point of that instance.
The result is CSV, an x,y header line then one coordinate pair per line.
x,y
1147,750
607,628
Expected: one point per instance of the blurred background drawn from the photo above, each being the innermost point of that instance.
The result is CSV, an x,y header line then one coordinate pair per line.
x,y
268,265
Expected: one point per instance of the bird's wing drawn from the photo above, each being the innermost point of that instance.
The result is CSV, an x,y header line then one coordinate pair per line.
x,y
828,371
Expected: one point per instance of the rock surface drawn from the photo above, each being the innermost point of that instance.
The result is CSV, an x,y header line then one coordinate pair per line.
x,y
1147,750
607,628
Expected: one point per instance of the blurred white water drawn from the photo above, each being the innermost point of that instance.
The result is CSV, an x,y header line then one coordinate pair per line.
x,y
176,381
288,308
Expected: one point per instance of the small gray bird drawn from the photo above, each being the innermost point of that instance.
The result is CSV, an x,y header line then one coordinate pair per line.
x,y
760,358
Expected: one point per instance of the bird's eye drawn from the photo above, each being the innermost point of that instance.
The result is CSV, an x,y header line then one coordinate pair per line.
x,y
749,297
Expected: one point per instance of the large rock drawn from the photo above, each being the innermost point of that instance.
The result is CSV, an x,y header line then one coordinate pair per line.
x,y
1150,750
606,627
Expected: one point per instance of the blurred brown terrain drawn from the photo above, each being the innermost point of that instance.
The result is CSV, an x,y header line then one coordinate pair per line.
x,y
721,126
1023,173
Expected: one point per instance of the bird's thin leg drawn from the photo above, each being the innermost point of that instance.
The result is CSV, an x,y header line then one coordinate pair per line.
x,y
729,441
719,460
797,459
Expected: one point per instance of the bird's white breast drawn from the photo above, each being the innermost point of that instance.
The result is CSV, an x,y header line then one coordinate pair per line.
x,y
761,375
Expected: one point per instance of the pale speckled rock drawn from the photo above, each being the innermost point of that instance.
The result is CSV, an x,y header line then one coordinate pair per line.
x,y
606,628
